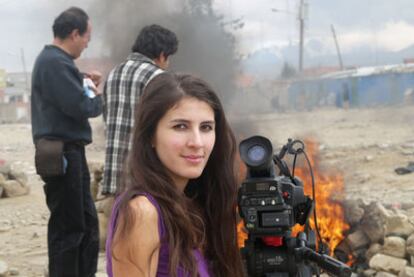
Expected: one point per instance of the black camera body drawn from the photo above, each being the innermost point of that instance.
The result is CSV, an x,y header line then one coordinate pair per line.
x,y
270,205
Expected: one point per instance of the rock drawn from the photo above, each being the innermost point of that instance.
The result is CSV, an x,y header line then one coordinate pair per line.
x,y
357,240
391,264
19,176
374,248
368,158
408,145
353,211
410,245
407,152
5,167
13,188
383,145
372,223
4,269
369,273
5,228
407,272
398,225
407,205
394,246
384,274
14,271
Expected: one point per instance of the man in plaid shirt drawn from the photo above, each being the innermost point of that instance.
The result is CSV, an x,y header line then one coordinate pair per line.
x,y
122,90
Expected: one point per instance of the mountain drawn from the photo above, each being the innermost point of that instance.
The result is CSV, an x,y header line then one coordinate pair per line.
x,y
268,62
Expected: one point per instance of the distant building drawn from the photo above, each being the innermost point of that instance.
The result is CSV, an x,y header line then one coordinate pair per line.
x,y
360,87
14,97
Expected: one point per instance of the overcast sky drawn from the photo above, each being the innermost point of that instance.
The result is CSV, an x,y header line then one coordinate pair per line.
x,y
378,24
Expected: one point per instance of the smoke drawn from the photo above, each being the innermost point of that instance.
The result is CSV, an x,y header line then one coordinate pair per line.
x,y
205,48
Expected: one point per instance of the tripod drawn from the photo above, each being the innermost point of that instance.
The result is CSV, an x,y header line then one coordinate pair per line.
x,y
291,259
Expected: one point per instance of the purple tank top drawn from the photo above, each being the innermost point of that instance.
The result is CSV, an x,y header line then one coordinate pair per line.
x,y
163,257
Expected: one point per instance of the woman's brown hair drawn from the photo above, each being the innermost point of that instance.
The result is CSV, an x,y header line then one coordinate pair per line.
x,y
205,216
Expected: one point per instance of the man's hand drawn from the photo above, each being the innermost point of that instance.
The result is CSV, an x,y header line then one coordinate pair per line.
x,y
95,76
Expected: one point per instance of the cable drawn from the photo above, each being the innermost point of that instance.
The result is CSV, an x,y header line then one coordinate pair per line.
x,y
294,165
314,198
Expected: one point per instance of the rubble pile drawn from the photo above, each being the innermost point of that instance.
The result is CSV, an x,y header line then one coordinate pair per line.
x,y
13,182
380,240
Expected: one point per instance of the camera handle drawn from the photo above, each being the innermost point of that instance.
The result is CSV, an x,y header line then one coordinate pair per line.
x,y
293,147
331,265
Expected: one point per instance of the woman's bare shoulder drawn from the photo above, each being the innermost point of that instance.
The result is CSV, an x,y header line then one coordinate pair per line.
x,y
144,209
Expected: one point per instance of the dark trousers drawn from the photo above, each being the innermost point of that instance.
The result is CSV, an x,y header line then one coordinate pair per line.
x,y
73,236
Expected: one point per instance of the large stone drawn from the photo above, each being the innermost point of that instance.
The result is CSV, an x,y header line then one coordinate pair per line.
x,y
372,223
19,176
381,262
357,240
407,272
410,245
13,188
353,211
398,225
374,249
394,246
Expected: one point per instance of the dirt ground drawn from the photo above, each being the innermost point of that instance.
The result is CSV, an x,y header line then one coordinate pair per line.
x,y
366,145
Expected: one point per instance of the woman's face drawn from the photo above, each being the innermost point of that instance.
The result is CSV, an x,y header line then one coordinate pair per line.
x,y
184,139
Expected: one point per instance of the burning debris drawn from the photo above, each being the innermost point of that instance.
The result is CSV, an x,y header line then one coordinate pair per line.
x,y
329,195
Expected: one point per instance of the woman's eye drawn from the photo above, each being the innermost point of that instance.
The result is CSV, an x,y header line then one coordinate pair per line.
x,y
207,128
180,127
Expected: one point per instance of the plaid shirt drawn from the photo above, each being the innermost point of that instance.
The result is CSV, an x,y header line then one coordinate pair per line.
x,y
122,90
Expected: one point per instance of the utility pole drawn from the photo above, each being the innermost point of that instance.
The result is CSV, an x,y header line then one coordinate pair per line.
x,y
338,51
24,70
301,17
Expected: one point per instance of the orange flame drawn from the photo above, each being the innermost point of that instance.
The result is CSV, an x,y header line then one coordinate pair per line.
x,y
329,193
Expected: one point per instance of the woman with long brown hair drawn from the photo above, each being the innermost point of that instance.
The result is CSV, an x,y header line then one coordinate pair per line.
x,y
175,214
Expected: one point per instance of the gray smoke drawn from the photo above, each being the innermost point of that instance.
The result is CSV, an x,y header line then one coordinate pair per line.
x,y
205,48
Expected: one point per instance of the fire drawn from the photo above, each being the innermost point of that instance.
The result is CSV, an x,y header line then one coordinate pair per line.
x,y
329,192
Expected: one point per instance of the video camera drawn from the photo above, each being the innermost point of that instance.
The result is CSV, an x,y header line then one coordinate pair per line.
x,y
270,203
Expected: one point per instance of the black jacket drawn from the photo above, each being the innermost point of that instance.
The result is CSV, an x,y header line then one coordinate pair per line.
x,y
60,108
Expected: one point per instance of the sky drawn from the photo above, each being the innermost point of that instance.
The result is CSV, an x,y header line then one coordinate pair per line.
x,y
376,25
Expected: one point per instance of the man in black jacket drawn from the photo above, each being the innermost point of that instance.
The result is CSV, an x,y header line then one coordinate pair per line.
x,y
60,111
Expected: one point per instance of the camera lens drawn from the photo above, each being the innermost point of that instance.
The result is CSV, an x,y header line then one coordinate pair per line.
x,y
256,153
